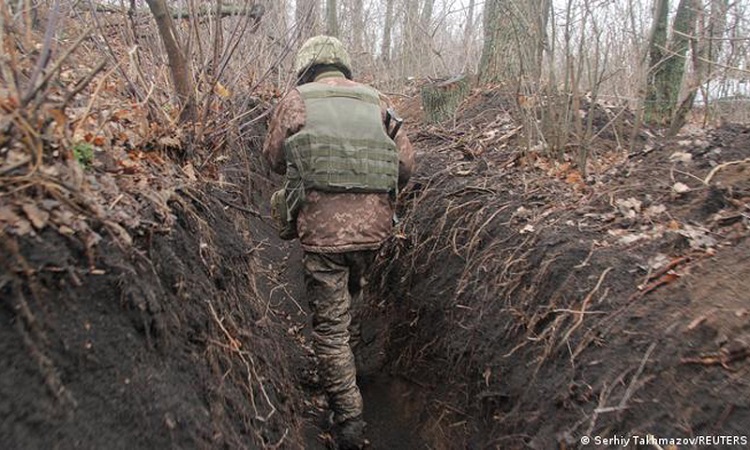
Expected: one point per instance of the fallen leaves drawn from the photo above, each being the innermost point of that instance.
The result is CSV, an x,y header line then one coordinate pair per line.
x,y
681,157
575,179
680,188
222,91
666,274
527,229
564,171
13,223
37,216
630,207
698,238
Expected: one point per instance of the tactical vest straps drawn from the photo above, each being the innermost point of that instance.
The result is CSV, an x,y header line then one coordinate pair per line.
x,y
343,146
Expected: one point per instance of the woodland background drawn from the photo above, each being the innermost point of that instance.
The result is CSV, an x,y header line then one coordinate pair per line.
x,y
659,58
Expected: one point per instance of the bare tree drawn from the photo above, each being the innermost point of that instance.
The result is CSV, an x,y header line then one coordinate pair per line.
x,y
179,65
409,36
332,21
358,25
657,54
513,39
426,16
709,49
424,35
385,48
468,33
668,60
307,15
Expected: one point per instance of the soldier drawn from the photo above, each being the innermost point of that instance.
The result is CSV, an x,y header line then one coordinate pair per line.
x,y
344,157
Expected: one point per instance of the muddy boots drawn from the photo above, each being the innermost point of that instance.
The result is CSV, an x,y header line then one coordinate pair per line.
x,y
350,435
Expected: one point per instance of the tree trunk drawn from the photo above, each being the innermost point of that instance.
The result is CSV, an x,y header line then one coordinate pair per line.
x,y
358,26
668,63
655,107
426,16
717,24
709,51
385,49
332,20
683,38
468,33
682,30
543,14
409,39
178,62
513,31
424,36
488,70
306,14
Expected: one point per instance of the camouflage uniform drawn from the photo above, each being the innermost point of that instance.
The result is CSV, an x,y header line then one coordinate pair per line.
x,y
340,234
335,222
334,283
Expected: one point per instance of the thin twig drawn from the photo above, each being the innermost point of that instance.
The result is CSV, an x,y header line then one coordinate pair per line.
x,y
94,96
585,304
15,165
57,65
716,169
45,54
236,346
631,387
239,207
81,85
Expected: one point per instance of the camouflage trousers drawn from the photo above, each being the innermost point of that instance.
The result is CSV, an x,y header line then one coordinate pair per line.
x,y
334,285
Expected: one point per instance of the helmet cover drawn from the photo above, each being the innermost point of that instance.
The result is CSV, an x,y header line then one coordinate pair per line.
x,y
322,50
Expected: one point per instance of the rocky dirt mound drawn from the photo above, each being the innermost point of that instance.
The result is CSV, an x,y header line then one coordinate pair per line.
x,y
531,305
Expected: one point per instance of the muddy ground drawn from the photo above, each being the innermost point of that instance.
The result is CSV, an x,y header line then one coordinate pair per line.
x,y
520,304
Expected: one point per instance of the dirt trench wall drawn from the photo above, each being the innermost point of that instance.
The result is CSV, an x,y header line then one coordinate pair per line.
x,y
513,304
163,344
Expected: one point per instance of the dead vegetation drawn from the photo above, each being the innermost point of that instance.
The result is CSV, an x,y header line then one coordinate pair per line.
x,y
540,286
542,302
125,273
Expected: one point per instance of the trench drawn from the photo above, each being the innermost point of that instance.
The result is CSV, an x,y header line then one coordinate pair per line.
x,y
393,404
440,374
392,412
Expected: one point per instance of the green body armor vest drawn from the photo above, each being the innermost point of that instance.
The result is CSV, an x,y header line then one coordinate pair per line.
x,y
342,147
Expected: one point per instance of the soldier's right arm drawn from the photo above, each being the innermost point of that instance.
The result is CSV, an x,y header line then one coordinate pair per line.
x,y
287,119
406,163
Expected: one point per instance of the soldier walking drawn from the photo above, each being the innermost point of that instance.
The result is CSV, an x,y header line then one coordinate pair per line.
x,y
344,159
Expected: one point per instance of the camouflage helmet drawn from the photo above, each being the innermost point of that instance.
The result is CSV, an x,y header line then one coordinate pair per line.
x,y
322,50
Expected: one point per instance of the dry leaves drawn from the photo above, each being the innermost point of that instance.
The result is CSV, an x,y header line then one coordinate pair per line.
x,y
37,216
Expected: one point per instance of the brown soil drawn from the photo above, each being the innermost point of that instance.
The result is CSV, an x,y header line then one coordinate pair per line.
x,y
520,303
537,309
165,344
